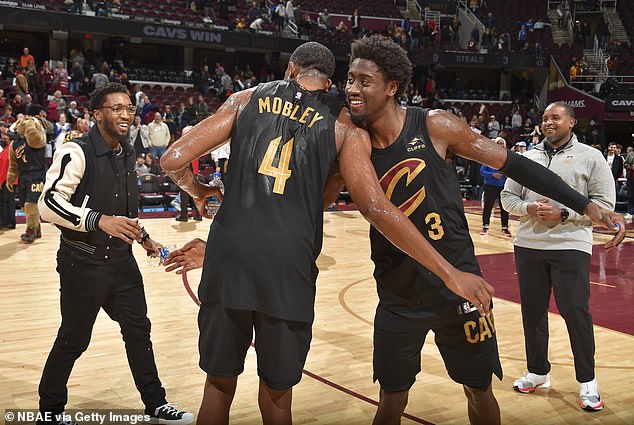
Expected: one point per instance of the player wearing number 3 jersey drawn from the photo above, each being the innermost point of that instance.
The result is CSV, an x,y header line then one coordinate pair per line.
x,y
412,151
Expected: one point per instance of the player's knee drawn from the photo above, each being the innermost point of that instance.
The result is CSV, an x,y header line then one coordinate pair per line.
x,y
224,385
477,395
394,400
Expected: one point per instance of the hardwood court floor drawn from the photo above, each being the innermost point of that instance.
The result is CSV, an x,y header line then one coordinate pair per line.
x,y
339,389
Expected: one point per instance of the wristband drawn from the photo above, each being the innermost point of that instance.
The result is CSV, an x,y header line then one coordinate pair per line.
x,y
144,235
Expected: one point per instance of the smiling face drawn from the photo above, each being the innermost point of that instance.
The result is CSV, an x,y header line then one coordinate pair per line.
x,y
113,126
557,125
368,90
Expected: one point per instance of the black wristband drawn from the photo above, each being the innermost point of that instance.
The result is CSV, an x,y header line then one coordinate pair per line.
x,y
144,235
92,221
540,179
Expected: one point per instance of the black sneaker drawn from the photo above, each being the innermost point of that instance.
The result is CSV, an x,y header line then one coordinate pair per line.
x,y
484,231
169,414
506,233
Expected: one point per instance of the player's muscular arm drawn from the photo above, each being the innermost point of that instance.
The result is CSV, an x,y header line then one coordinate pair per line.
x,y
333,187
363,185
449,132
206,136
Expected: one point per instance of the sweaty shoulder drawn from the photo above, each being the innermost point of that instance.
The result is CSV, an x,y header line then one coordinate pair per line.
x,y
237,101
445,129
442,123
345,129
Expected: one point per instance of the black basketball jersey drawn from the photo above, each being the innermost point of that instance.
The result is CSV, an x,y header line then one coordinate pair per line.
x,y
425,188
265,239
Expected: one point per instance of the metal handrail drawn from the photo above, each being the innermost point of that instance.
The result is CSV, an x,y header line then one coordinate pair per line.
x,y
471,16
416,5
292,26
603,5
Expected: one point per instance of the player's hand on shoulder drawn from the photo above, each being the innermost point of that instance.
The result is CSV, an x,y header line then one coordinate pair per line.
x,y
472,288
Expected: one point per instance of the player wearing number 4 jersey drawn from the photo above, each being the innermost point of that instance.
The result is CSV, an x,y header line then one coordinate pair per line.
x,y
259,267
411,152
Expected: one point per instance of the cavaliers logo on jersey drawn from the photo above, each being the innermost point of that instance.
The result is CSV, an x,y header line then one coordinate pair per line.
x,y
20,154
408,169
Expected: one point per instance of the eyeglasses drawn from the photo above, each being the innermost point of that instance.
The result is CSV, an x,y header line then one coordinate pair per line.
x,y
118,108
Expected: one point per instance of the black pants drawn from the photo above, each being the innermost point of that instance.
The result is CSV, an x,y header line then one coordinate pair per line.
x,y
630,195
85,289
567,273
187,201
7,207
491,193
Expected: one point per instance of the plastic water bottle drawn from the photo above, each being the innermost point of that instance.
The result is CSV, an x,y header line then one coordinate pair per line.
x,y
213,203
157,260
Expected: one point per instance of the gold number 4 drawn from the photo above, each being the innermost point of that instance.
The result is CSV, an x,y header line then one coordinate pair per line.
x,y
436,232
281,173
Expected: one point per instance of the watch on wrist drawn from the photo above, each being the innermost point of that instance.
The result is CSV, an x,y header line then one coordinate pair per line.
x,y
564,214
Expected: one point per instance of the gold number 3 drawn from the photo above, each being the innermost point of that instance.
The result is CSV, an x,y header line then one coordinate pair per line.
x,y
281,173
436,232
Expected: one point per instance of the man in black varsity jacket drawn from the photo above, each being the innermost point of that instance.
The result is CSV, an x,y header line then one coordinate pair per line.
x,y
90,194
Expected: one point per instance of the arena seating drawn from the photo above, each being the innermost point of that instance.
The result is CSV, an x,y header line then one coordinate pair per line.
x,y
509,15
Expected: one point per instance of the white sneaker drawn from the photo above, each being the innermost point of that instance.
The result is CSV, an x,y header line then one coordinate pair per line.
x,y
530,382
589,397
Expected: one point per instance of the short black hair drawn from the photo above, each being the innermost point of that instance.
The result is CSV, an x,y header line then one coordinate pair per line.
x,y
569,109
389,57
314,56
98,96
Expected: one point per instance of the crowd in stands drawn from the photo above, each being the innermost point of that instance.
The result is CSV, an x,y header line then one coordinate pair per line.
x,y
59,93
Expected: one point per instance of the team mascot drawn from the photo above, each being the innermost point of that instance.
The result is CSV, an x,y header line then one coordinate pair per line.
x,y
26,161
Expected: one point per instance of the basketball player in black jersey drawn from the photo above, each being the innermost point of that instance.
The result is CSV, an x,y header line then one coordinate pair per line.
x,y
410,152
259,267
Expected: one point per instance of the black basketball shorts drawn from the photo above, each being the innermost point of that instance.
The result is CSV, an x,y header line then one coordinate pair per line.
x,y
467,344
281,346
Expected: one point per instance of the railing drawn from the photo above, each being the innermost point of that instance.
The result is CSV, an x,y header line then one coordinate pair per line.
x,y
538,102
568,14
606,5
623,79
591,84
432,14
471,17
414,3
292,26
610,26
